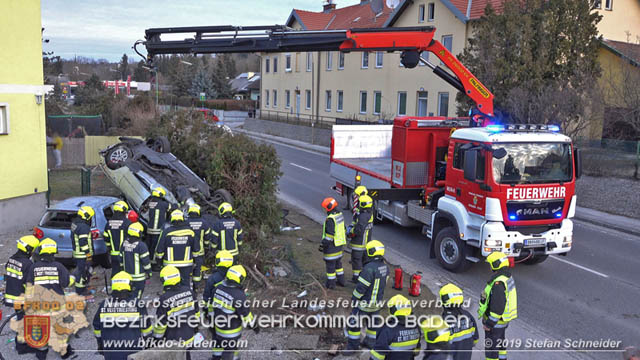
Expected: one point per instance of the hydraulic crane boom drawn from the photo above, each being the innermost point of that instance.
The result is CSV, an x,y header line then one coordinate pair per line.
x,y
411,41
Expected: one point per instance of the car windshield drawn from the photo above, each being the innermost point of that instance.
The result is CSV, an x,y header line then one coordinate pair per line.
x,y
533,163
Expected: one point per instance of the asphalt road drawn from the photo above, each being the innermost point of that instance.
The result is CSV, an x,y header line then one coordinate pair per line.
x,y
592,294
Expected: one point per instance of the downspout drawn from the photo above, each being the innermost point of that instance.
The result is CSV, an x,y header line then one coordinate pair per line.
x,y
319,62
466,23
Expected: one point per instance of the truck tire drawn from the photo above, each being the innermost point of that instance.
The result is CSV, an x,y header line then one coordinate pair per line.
x,y
222,195
536,260
117,156
451,251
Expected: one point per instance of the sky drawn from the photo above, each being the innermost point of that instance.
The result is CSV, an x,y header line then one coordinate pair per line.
x,y
106,29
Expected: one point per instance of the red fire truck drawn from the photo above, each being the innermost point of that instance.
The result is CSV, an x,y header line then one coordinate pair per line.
x,y
473,185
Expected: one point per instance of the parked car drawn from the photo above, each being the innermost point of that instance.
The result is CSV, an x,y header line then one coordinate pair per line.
x,y
56,224
136,167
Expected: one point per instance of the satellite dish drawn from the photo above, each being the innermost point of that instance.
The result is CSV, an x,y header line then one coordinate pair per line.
x,y
392,3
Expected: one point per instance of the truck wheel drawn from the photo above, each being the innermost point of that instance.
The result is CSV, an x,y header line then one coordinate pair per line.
x,y
451,251
222,195
117,156
536,260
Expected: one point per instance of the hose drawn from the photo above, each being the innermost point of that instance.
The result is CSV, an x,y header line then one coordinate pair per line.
x,y
526,258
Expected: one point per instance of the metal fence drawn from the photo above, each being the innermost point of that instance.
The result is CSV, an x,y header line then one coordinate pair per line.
x,y
323,122
610,157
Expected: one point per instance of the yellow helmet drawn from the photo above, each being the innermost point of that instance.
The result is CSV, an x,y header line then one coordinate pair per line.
x,y
375,248
86,212
225,208
237,274
224,258
120,206
399,306
194,209
366,201
136,230
121,281
170,275
48,246
177,215
28,243
451,295
435,330
361,190
159,192
497,260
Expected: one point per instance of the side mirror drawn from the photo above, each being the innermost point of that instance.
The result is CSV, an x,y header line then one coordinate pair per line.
x,y
470,164
499,153
577,162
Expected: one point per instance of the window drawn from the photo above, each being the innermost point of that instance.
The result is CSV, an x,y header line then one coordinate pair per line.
x,y
340,100
402,103
458,156
275,98
287,63
431,11
266,98
329,60
287,98
365,60
363,102
275,64
328,98
4,119
443,104
309,60
421,13
266,65
340,60
379,58
608,4
307,95
422,103
597,4
377,102
447,41
424,55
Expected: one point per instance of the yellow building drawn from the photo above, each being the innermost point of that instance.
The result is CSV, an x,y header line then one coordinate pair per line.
x,y
620,20
23,163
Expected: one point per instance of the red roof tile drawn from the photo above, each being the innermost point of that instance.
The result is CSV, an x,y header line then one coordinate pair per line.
x,y
629,50
354,16
477,7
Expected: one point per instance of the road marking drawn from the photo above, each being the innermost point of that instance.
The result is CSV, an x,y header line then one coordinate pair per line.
x,y
580,267
300,166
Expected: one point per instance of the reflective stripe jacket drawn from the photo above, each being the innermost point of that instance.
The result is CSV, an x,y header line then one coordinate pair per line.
x,y
229,302
81,241
17,268
50,274
134,259
369,290
215,279
119,319
158,210
226,235
202,228
397,343
362,229
177,305
333,237
464,331
498,303
178,246
115,232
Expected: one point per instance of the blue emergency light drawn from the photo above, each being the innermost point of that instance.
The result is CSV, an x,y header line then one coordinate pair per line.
x,y
495,128
512,217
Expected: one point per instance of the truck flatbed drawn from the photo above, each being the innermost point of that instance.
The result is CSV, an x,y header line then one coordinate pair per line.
x,y
372,166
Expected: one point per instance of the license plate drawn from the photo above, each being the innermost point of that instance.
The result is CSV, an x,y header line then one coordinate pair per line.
x,y
533,242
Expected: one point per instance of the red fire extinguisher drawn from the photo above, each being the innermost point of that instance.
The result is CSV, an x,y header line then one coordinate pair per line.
x,y
414,289
397,284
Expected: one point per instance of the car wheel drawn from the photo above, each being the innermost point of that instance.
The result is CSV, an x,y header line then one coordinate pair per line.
x,y
117,156
222,195
536,260
160,144
451,251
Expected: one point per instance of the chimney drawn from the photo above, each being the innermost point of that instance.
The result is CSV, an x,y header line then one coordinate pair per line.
x,y
328,6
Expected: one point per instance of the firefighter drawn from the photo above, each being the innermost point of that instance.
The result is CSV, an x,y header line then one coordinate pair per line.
x,y
398,342
159,208
226,233
178,309
498,306
82,247
16,270
121,317
51,275
134,257
224,260
179,243
368,295
231,313
333,240
202,229
115,233
463,330
360,235
355,199
437,335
